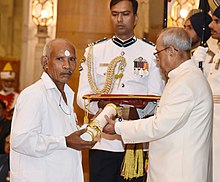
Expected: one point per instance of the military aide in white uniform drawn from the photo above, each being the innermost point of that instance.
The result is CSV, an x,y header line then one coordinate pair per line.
x,y
214,81
180,132
131,83
45,142
134,72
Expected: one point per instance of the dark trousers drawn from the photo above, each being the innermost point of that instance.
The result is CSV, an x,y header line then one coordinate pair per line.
x,y
4,167
105,166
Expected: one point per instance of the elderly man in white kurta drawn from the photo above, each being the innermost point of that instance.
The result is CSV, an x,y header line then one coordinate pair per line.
x,y
45,142
180,132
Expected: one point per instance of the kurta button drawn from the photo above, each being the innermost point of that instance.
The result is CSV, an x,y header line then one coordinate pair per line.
x,y
122,85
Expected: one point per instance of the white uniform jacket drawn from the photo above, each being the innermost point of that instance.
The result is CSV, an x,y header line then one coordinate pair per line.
x,y
180,132
40,123
214,81
103,53
206,64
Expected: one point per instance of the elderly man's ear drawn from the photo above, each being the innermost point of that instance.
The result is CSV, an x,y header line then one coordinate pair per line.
x,y
44,62
172,51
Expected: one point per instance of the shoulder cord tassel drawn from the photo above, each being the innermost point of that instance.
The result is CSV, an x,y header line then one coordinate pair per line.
x,y
133,164
110,79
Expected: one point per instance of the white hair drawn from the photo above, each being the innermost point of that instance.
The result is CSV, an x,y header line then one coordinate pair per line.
x,y
176,37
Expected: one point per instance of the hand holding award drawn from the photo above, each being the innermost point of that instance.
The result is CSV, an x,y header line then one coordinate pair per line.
x,y
95,128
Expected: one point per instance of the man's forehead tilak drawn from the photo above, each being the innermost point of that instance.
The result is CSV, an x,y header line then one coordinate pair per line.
x,y
67,53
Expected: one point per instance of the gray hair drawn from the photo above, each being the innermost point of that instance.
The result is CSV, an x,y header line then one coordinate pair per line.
x,y
48,46
45,50
176,37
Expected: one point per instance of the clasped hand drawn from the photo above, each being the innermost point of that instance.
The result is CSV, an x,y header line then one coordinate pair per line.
x,y
74,141
110,126
200,54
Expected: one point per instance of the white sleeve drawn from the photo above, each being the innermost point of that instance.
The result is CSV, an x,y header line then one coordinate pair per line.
x,y
199,55
117,128
172,114
26,133
148,110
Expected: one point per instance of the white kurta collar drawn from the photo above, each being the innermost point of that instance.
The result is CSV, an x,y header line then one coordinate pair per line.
x,y
49,84
173,73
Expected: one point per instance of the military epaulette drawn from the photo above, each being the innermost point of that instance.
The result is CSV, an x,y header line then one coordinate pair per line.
x,y
96,42
211,54
147,41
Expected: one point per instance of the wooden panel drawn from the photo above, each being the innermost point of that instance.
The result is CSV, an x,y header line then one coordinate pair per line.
x,y
81,39
155,20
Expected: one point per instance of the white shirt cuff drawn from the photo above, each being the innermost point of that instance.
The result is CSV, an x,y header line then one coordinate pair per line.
x,y
118,128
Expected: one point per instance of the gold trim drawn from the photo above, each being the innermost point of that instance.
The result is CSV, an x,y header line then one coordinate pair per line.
x,y
95,97
216,99
110,77
114,106
91,134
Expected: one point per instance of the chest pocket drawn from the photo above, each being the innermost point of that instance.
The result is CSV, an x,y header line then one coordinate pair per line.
x,y
101,68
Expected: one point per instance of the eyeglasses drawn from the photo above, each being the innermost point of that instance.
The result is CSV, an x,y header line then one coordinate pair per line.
x,y
156,53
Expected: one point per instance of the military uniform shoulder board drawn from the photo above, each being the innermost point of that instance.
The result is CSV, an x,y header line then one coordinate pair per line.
x,y
96,42
147,41
83,59
211,54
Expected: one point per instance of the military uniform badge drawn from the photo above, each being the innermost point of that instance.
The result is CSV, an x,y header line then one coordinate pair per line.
x,y
141,67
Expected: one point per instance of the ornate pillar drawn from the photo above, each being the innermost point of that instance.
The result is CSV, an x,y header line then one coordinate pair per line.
x,y
31,52
41,35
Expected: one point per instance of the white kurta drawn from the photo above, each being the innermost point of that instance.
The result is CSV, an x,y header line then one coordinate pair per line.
x,y
180,133
39,126
103,54
214,81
